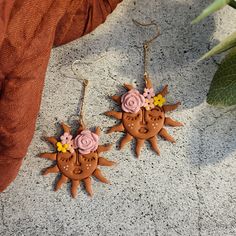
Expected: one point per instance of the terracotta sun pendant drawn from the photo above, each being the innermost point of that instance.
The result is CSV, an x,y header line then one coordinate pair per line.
x,y
143,116
77,159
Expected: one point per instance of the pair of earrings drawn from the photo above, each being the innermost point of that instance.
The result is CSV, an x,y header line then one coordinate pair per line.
x,y
143,117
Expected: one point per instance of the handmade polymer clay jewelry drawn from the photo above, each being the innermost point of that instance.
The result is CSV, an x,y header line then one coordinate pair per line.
x,y
143,115
78,158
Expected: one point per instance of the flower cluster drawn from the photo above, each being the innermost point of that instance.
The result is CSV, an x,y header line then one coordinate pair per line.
x,y
85,142
67,142
132,101
151,100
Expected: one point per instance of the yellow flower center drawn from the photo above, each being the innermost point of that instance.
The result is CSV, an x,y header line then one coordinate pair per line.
x,y
159,100
62,147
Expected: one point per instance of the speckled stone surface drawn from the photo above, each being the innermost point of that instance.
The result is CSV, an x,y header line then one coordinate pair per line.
x,y
191,188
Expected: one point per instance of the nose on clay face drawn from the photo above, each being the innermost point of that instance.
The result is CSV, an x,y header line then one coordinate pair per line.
x,y
78,158
143,122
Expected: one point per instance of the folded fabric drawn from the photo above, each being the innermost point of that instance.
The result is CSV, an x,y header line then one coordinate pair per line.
x,y
28,31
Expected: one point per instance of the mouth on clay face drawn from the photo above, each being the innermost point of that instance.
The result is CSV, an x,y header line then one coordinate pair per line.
x,y
143,130
77,171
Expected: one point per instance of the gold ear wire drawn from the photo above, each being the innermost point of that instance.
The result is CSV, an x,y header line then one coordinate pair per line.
x,y
147,42
145,47
85,86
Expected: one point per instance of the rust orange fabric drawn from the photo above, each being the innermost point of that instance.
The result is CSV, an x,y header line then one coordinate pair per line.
x,y
28,31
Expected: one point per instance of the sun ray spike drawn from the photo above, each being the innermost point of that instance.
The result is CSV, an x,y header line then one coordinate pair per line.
x,y
50,156
147,81
164,91
98,131
164,134
74,188
81,127
116,99
116,128
88,186
115,114
98,174
171,122
139,145
104,148
128,86
153,142
125,140
104,162
66,128
52,169
52,140
171,107
63,179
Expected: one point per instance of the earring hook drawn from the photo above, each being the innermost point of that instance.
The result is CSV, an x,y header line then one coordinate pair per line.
x,y
147,43
79,77
85,85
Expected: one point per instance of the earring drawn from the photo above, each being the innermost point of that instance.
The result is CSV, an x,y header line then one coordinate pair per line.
x,y
78,158
143,115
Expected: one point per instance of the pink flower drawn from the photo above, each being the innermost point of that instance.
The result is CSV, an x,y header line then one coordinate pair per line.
x,y
86,142
71,147
66,138
148,93
132,101
149,104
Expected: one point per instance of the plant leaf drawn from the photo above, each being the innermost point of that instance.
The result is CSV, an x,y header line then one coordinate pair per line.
x,y
233,3
223,86
224,45
215,6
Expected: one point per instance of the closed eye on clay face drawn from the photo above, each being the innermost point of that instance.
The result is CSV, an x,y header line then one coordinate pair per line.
x,y
66,159
88,158
133,117
155,115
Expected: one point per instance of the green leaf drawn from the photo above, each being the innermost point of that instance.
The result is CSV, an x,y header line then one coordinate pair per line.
x,y
233,3
224,45
215,6
223,86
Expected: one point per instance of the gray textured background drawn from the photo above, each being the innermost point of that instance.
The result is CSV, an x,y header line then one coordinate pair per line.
x,y
191,188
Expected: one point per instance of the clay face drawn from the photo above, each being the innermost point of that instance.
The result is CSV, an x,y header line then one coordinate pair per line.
x,y
144,124
76,166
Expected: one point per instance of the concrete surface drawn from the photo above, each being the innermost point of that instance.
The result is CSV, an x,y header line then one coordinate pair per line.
x,y
191,188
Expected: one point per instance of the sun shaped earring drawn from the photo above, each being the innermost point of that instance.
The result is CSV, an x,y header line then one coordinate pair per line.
x,y
78,158
143,115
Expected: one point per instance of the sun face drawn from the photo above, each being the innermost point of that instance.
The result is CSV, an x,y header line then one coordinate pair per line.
x,y
77,159
143,117
76,166
144,124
